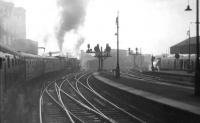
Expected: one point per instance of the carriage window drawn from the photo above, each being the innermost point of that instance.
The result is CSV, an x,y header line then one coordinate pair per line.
x,y
1,63
8,62
12,62
16,61
19,62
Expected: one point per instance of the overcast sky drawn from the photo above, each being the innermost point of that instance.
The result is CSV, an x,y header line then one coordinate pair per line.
x,y
152,25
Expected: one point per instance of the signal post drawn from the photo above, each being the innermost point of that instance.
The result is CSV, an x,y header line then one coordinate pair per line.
x,y
100,54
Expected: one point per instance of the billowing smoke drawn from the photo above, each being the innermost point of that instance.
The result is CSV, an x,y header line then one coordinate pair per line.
x,y
46,39
72,15
78,45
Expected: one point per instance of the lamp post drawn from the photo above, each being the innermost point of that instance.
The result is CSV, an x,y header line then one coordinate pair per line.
x,y
189,49
117,34
189,37
197,69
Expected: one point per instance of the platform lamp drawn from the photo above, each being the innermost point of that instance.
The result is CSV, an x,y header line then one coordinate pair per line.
x,y
197,68
188,7
188,33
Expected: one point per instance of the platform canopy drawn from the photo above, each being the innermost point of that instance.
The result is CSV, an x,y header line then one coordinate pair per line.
x,y
183,47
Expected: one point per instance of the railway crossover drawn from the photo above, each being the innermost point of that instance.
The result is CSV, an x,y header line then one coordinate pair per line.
x,y
71,99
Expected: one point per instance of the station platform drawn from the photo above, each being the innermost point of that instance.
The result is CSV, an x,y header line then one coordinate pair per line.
x,y
176,77
174,72
170,72
180,97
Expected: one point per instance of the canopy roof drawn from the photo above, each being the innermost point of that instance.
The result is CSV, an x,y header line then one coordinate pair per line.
x,y
183,47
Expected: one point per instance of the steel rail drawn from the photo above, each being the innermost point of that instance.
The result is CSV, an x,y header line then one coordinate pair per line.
x,y
41,101
133,116
77,81
154,81
97,111
110,103
83,105
45,89
63,107
60,98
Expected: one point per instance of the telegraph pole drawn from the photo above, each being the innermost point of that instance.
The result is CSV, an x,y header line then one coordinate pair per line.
x,y
117,67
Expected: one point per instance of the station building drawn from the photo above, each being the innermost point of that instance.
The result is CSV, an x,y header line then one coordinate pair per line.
x,y
25,45
86,60
12,22
13,29
184,46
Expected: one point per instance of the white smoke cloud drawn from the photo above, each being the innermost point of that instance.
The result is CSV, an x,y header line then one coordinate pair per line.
x,y
71,16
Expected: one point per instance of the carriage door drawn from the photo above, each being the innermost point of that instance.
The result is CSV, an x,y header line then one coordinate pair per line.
x,y
2,74
2,82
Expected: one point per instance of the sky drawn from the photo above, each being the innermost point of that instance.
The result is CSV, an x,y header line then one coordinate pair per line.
x,y
152,25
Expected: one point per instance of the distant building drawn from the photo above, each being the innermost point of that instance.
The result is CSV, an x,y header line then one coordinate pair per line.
x,y
84,59
183,47
22,45
12,23
126,61
25,45
13,29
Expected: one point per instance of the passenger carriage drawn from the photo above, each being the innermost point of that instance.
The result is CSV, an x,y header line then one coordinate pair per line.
x,y
16,67
34,65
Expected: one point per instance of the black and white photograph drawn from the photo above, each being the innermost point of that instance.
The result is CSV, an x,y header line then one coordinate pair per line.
x,y
99,61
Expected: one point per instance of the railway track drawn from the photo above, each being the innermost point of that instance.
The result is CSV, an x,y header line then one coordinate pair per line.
x,y
71,99
51,110
139,75
153,79
105,106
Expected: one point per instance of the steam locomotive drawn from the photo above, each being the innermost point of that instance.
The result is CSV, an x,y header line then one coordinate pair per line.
x,y
19,66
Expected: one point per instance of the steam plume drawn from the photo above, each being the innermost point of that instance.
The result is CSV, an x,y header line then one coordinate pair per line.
x,y
72,14
46,39
78,44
